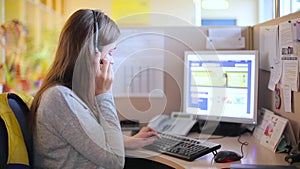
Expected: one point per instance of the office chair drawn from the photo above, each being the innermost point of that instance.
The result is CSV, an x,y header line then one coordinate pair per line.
x,y
20,110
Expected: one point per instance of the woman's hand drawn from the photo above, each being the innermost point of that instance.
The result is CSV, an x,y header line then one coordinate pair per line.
x,y
104,75
143,138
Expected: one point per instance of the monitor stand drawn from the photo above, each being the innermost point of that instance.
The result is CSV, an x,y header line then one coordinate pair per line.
x,y
222,128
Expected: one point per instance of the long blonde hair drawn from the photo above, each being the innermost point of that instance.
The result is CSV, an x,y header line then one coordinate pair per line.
x,y
76,45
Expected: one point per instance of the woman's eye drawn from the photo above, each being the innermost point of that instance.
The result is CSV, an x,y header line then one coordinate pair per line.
x,y
110,53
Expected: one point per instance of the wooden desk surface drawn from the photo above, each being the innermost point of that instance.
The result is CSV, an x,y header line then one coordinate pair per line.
x,y
254,153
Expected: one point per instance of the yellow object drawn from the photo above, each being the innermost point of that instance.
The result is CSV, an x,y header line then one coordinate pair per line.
x,y
17,152
131,12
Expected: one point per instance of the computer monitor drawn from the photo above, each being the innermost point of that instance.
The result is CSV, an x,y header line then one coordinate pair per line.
x,y
221,87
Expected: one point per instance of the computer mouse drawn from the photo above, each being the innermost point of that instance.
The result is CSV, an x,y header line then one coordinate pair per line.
x,y
227,156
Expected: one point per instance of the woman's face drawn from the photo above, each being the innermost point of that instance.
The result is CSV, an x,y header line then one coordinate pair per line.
x,y
106,53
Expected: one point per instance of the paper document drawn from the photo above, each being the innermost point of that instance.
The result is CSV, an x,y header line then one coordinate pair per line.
x,y
287,98
296,30
269,56
289,79
290,72
268,47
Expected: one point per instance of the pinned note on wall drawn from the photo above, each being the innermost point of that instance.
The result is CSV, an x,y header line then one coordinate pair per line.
x,y
268,47
290,63
269,56
296,30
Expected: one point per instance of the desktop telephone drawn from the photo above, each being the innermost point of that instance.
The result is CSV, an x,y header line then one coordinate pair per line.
x,y
178,124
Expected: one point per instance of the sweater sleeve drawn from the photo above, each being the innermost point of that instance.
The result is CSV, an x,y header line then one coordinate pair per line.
x,y
101,143
110,122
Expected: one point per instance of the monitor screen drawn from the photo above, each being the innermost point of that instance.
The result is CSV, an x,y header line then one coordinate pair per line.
x,y
221,85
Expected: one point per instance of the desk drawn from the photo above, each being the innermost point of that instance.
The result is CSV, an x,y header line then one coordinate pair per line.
x,y
254,153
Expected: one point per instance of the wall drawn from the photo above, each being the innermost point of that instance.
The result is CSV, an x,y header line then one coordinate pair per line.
x,y
266,96
73,5
183,11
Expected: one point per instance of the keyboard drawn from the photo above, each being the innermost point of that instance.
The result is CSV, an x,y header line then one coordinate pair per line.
x,y
182,147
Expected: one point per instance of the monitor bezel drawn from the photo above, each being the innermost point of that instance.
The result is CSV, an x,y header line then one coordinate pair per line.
x,y
252,120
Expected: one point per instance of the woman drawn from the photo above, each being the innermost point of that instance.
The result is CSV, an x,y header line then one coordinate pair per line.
x,y
73,116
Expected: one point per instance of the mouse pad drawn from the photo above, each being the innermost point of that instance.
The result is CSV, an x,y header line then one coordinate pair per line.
x,y
257,166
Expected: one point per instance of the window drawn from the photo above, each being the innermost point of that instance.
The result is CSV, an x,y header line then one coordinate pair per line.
x,y
289,6
257,11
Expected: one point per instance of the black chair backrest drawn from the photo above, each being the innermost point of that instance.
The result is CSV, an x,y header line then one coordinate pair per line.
x,y
3,144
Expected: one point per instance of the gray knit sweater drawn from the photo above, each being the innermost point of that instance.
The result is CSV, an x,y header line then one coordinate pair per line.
x,y
69,135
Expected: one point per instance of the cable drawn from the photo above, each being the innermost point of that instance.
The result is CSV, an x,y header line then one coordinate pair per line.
x,y
212,159
242,144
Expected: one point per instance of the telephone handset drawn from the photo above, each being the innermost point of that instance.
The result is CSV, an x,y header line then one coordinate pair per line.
x,y
178,124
